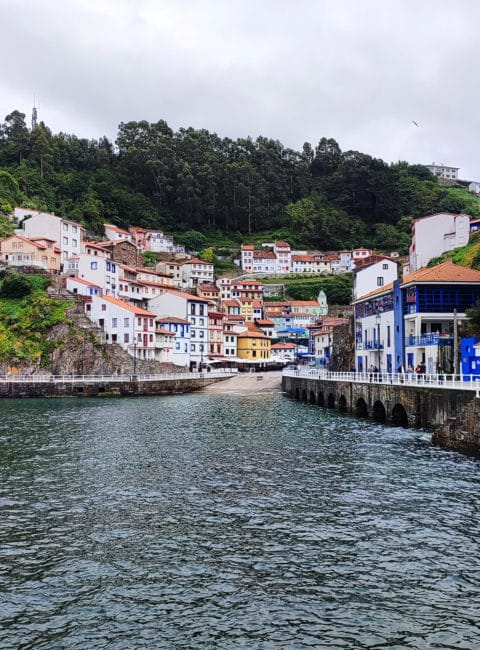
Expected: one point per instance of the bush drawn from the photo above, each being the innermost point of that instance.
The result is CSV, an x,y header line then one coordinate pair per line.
x,y
15,286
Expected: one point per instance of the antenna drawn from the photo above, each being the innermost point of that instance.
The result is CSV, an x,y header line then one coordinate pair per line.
x,y
34,114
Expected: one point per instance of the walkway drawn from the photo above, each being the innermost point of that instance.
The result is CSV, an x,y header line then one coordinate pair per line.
x,y
246,382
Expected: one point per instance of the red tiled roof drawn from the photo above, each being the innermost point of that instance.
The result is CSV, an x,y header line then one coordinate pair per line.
x,y
283,346
446,272
128,306
386,289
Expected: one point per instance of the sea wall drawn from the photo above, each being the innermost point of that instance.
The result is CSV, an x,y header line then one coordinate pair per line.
x,y
451,414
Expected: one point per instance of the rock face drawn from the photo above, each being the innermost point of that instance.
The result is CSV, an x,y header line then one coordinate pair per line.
x,y
78,349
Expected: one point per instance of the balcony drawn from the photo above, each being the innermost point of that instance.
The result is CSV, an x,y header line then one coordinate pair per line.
x,y
429,339
369,345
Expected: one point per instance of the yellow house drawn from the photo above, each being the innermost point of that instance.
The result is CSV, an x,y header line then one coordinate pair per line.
x,y
253,345
246,309
40,252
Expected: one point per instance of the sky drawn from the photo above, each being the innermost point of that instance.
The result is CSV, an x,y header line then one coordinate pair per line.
x,y
359,71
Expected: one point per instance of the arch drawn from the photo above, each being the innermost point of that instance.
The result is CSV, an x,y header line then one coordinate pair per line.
x,y
321,399
312,399
399,416
297,393
342,403
379,413
361,408
304,396
331,401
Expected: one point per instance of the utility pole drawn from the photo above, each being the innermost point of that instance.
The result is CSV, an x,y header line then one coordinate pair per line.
x,y
456,369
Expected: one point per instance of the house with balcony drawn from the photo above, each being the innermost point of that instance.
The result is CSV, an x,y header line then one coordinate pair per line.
x,y
164,343
39,252
180,330
434,300
192,309
195,272
124,324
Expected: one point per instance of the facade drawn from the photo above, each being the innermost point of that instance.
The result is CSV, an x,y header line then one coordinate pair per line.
x,y
283,254
100,271
180,329
81,287
246,257
378,274
173,270
124,324
195,272
42,253
164,342
193,309
253,345
215,334
436,234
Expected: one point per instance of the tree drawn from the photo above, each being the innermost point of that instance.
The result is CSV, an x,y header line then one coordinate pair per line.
x,y
15,286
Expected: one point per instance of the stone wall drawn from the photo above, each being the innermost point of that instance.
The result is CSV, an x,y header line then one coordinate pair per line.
x,y
452,415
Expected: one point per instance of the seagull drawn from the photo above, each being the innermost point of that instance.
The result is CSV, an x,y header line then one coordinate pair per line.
x,y
415,123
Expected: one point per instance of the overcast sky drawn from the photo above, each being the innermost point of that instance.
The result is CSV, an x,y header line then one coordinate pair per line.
x,y
359,71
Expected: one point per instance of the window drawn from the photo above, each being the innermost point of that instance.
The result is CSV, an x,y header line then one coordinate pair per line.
x,y
104,307
93,266
126,338
385,266
65,241
202,334
114,322
53,261
108,266
193,347
192,309
126,322
202,308
65,226
380,281
74,242
74,229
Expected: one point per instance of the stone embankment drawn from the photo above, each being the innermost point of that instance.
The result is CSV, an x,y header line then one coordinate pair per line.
x,y
451,410
107,386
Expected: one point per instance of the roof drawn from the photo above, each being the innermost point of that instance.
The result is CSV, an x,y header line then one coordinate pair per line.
x,y
186,296
385,289
171,319
284,346
128,306
303,258
208,287
25,239
265,322
110,226
304,303
282,244
253,334
264,255
160,330
85,282
195,260
446,272
247,247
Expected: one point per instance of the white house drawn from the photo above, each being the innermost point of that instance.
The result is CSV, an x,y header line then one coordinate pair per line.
x,y
195,272
180,329
113,233
436,234
195,311
100,271
373,276
125,324
81,287
283,254
444,171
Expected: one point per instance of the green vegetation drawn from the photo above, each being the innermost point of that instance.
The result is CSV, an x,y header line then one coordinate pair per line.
x,y
219,192
338,288
26,320
468,255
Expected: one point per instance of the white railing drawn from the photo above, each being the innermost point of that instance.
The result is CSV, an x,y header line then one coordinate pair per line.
x,y
450,381
103,379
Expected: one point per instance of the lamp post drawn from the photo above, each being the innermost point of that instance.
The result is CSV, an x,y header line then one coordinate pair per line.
x,y
455,343
134,349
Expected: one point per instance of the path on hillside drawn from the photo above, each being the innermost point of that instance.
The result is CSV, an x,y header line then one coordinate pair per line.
x,y
246,382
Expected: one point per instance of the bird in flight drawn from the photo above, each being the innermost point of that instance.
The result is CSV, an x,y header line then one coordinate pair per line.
x,y
415,123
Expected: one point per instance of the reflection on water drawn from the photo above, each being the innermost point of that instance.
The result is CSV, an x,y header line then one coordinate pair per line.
x,y
219,521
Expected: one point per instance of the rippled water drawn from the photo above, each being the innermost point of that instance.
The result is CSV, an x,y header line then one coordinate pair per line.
x,y
221,521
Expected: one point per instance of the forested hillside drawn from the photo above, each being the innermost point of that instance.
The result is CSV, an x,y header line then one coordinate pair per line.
x,y
193,180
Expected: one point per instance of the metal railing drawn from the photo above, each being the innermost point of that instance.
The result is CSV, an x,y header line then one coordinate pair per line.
x,y
106,379
450,381
429,339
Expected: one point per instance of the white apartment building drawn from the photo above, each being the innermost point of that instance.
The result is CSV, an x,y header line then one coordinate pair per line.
x,y
68,235
195,272
436,234
283,254
246,259
195,311
443,171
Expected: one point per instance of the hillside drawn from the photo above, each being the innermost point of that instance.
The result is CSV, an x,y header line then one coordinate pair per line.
x,y
194,184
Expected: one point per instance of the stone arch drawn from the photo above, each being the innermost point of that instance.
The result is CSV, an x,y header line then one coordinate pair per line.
x,y
304,396
399,416
297,393
379,413
321,399
361,408
342,403
331,401
312,398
